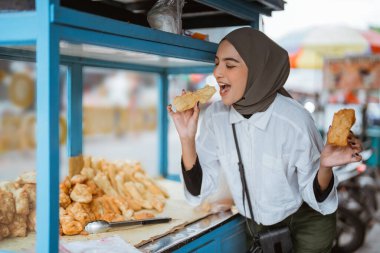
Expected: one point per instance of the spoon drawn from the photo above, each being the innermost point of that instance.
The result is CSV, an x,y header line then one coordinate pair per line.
x,y
100,226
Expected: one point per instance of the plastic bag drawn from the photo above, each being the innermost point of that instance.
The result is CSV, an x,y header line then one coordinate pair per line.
x,y
165,15
220,200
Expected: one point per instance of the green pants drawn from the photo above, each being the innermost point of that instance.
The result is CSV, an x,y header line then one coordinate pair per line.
x,y
311,231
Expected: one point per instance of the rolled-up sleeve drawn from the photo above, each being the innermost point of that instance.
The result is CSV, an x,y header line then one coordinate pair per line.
x,y
307,162
206,147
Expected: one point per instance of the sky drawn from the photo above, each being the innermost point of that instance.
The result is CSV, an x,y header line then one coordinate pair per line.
x,y
300,14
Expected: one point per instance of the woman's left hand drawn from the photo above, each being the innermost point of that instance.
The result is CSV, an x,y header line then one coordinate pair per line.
x,y
336,156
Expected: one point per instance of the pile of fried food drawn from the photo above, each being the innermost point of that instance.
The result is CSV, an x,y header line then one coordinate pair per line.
x,y
107,191
96,190
188,100
18,206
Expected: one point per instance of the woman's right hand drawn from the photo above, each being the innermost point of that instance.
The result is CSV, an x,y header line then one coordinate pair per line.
x,y
186,122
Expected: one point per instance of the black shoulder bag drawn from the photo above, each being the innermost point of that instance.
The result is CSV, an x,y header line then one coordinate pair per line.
x,y
273,241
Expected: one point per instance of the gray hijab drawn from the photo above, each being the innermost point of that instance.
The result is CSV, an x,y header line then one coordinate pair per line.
x,y
268,69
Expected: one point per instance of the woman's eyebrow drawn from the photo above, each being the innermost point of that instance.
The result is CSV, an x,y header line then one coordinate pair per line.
x,y
230,59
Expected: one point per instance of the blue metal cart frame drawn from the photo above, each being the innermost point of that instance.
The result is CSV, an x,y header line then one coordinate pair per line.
x,y
45,28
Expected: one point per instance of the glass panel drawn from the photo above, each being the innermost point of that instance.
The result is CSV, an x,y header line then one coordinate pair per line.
x,y
117,55
17,153
120,113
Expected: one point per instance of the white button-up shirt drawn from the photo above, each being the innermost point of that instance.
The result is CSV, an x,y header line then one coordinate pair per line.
x,y
280,149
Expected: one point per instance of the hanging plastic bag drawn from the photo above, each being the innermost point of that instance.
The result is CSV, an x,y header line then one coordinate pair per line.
x,y
165,15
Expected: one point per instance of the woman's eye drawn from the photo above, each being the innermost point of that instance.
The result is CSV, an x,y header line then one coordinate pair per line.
x,y
230,66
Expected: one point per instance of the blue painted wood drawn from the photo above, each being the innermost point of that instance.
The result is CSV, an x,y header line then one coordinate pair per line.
x,y
227,238
174,177
163,124
18,28
190,70
108,40
234,242
74,110
114,65
65,16
47,131
210,246
256,22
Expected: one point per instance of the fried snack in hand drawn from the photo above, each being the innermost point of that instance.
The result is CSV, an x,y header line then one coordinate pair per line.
x,y
188,100
342,122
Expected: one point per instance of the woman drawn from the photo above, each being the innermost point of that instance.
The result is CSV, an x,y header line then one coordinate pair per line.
x,y
287,167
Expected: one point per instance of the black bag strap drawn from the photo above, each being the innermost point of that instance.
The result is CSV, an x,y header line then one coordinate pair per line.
x,y
244,185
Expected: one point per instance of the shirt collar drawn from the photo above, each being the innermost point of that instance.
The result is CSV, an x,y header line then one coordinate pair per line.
x,y
259,119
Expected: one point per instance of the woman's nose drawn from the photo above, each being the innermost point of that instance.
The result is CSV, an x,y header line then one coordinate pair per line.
x,y
218,71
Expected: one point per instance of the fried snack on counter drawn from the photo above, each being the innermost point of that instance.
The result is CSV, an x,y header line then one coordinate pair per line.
x,y
188,100
103,190
64,199
32,221
21,201
81,193
31,191
7,207
18,227
70,226
18,204
4,231
340,129
75,165
78,179
98,190
27,178
142,215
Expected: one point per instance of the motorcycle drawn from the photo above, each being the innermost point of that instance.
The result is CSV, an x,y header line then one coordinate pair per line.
x,y
357,204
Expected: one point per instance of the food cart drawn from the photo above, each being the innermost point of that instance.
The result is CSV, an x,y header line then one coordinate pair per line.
x,y
36,34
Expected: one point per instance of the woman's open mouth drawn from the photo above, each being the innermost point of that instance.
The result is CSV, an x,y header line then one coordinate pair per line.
x,y
224,89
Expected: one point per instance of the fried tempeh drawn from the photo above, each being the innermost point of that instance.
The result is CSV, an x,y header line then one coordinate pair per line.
x,y
340,129
188,100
